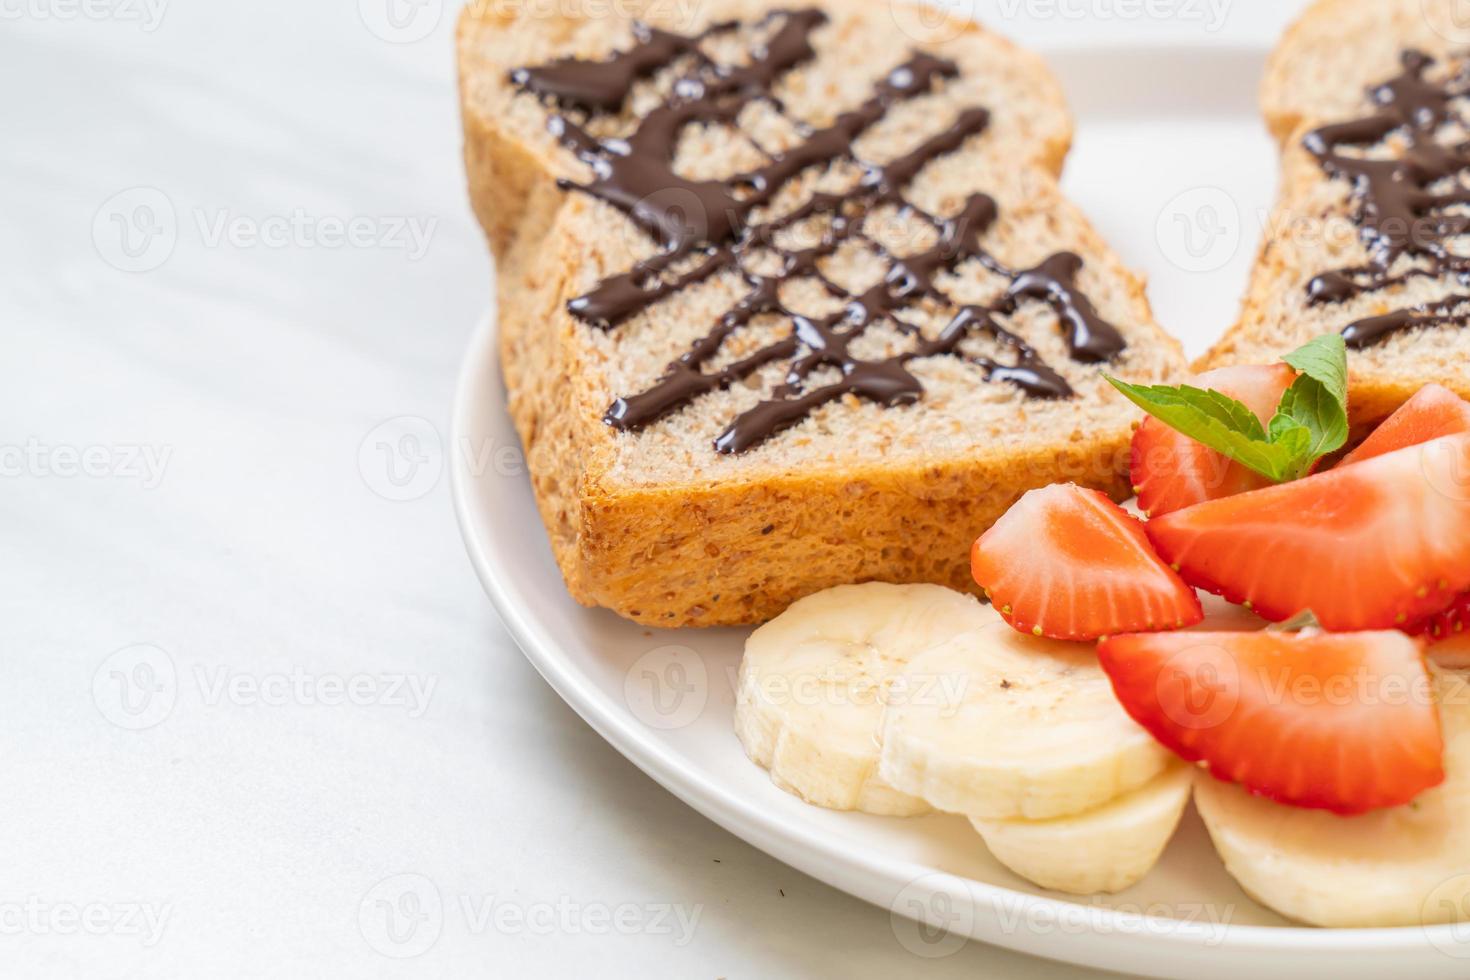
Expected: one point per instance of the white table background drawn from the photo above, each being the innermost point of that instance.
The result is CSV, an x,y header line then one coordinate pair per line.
x,y
214,600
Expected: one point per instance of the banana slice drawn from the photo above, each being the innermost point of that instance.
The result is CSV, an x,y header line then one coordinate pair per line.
x,y
813,681
1408,865
1102,850
1030,729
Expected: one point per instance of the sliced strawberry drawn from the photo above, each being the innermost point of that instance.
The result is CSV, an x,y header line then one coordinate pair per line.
x,y
1069,563
1370,546
1443,625
1170,471
1434,411
1341,722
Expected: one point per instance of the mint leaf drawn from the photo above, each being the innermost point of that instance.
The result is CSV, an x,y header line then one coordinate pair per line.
x,y
1324,359
1188,402
1310,420
1220,422
1311,406
1317,400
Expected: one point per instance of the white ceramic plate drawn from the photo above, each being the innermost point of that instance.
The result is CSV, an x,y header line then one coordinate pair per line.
x,y
1173,165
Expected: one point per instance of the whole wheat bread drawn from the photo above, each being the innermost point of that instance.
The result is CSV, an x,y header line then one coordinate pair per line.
x,y
1356,81
692,513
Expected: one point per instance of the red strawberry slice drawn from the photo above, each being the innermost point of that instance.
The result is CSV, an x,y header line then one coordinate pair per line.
x,y
1341,722
1069,563
1443,625
1370,546
1170,471
1434,411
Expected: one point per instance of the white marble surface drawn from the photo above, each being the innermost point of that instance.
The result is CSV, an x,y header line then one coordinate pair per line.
x,y
245,681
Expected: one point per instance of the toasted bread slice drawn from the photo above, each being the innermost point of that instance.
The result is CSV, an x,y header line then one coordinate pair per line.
x,y
1358,248
965,312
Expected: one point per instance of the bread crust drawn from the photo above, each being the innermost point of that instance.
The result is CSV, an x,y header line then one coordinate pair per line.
x,y
740,548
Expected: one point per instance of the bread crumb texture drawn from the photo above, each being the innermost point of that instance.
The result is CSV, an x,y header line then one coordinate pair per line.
x,y
1319,74
653,523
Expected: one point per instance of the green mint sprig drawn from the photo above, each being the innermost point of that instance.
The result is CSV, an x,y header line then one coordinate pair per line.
x,y
1310,420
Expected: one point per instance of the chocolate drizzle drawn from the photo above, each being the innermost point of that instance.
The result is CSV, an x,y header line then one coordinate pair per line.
x,y
704,227
1400,213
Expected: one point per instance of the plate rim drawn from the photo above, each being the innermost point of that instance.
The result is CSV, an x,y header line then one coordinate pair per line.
x,y
746,820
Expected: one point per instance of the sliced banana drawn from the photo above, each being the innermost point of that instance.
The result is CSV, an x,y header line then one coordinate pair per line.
x,y
813,681
1103,850
1407,865
1028,728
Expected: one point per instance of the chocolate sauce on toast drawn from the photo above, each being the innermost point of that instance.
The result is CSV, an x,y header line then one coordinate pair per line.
x,y
1402,208
705,227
